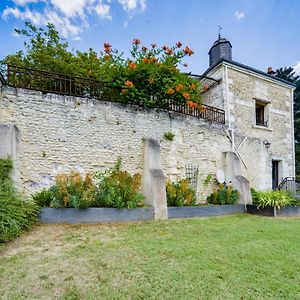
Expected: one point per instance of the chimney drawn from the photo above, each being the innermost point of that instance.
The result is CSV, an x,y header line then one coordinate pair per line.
x,y
271,72
220,49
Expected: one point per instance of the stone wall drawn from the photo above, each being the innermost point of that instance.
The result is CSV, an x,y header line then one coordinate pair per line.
x,y
244,90
58,134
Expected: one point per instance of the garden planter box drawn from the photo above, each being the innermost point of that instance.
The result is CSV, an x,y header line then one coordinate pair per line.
x,y
272,211
94,215
204,211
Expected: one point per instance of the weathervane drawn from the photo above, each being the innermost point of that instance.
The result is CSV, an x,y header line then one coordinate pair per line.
x,y
220,28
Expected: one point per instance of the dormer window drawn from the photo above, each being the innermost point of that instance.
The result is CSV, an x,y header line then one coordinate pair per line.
x,y
261,113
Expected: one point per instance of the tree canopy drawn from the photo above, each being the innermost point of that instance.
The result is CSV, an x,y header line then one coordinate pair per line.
x,y
148,77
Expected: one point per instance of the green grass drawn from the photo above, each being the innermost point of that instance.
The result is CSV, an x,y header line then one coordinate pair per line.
x,y
234,257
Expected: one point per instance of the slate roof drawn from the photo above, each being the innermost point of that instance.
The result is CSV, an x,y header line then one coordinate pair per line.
x,y
235,63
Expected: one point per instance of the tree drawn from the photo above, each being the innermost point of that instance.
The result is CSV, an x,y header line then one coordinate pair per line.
x,y
148,78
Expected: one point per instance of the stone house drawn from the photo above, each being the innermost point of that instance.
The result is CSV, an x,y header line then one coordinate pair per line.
x,y
49,133
259,115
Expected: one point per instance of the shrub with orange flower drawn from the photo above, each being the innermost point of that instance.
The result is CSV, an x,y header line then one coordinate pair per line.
x,y
107,47
186,96
170,91
202,108
179,87
192,104
132,66
188,51
107,57
169,51
128,83
146,60
205,88
179,44
144,48
136,41
192,86
123,91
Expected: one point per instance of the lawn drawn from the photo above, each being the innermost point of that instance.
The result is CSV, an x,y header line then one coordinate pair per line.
x,y
232,257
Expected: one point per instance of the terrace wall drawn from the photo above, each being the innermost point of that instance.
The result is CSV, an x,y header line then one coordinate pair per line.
x,y
56,134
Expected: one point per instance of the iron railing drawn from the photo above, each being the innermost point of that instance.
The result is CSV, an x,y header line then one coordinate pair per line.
x,y
50,82
291,185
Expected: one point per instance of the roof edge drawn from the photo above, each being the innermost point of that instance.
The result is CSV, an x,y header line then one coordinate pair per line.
x,y
237,64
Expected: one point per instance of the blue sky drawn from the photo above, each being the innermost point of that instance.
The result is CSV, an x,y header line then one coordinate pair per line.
x,y
263,33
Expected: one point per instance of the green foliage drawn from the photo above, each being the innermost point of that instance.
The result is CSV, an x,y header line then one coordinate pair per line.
x,y
118,189
208,179
70,190
169,136
223,195
16,214
5,169
148,78
180,193
43,198
276,198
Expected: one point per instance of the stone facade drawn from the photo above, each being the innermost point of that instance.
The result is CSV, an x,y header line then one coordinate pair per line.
x,y
237,95
52,134
58,134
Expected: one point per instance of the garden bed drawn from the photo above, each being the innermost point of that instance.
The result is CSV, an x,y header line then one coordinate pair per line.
x,y
204,211
272,211
94,215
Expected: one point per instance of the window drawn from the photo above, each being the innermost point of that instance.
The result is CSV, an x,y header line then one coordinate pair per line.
x,y
261,113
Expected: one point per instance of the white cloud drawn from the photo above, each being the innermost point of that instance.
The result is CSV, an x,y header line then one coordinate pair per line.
x,y
239,15
35,17
24,2
297,68
132,5
69,16
62,24
103,11
72,8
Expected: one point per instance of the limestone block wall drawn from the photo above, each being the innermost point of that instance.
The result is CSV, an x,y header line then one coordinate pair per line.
x,y
244,89
215,95
58,134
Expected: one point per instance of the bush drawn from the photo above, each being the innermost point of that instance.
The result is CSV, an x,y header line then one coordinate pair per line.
x,y
16,214
118,189
70,190
276,198
149,78
223,195
180,193
43,198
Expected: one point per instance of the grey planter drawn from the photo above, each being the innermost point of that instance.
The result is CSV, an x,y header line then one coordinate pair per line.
x,y
175,212
272,211
94,215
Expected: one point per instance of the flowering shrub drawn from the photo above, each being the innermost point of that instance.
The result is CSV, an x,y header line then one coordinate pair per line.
x,y
148,78
118,189
111,188
224,194
69,190
180,193
151,76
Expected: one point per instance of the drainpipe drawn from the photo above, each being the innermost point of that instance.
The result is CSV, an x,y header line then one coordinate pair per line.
x,y
228,109
293,136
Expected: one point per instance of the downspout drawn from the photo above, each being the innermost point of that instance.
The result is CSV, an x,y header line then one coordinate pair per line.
x,y
293,135
228,109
